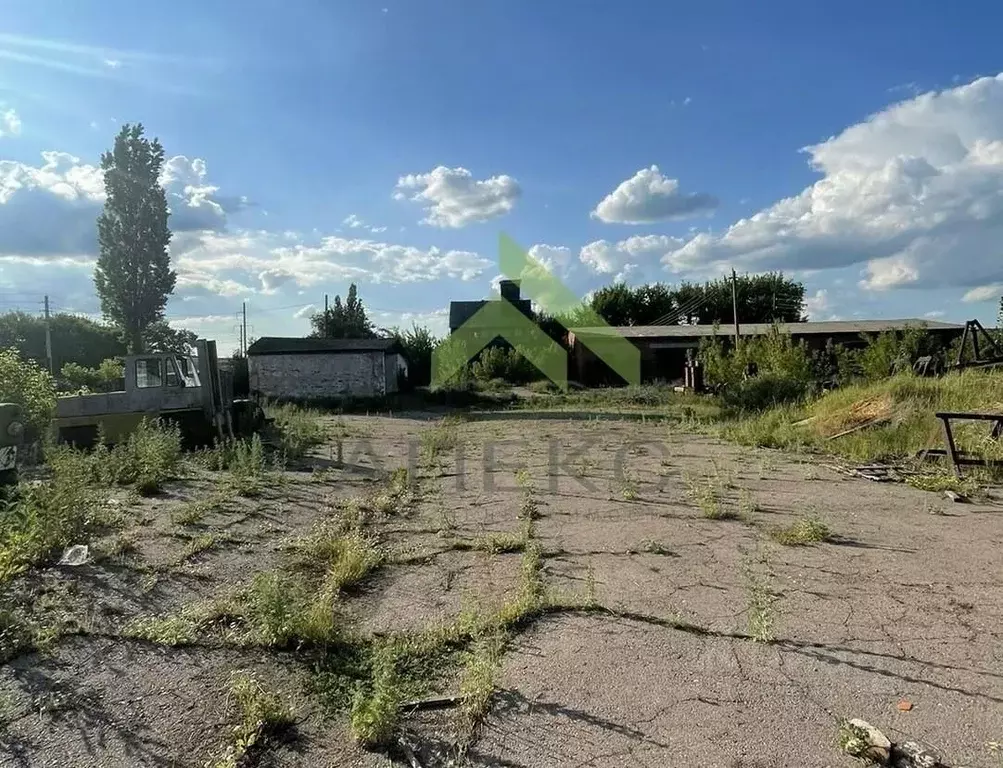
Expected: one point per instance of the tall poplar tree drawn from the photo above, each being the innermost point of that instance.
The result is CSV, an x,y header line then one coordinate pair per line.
x,y
133,276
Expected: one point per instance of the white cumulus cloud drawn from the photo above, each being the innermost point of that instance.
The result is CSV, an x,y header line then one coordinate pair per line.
x,y
232,263
626,256
453,198
556,258
648,197
50,210
354,222
817,304
991,292
10,123
195,203
912,194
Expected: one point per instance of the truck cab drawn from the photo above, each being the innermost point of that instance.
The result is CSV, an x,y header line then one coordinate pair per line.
x,y
190,391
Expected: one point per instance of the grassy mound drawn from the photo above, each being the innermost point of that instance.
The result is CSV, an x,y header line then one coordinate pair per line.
x,y
895,418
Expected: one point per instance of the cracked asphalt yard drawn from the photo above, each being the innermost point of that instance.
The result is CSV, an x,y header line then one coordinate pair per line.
x,y
538,590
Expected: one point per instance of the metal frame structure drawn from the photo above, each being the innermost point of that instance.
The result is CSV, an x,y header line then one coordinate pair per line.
x,y
958,458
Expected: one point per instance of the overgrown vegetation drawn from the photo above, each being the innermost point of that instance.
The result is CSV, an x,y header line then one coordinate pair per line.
x,y
41,519
264,719
299,429
887,420
26,384
103,378
802,532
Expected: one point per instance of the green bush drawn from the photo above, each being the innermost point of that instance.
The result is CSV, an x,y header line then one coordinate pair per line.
x,y
26,384
766,390
300,429
43,518
416,345
785,369
885,351
150,457
505,364
101,379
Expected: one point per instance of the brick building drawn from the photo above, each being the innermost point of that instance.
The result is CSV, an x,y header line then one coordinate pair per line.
x,y
320,369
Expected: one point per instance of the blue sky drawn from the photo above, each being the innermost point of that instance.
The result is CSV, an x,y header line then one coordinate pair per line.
x,y
638,140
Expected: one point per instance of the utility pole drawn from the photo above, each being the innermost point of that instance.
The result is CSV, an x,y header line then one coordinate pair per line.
x,y
48,339
327,323
243,329
734,305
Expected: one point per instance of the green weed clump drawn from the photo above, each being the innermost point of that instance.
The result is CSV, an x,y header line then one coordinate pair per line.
x,y
41,519
299,429
146,460
802,532
264,719
246,460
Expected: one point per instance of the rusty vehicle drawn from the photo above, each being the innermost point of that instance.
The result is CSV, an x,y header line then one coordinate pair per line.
x,y
189,391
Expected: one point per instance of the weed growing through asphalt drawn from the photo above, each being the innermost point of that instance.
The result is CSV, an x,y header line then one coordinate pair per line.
x,y
441,438
194,511
707,496
653,547
264,719
42,519
479,680
396,497
802,532
940,482
995,748
17,635
146,460
854,741
299,429
196,546
628,486
747,505
115,548
759,604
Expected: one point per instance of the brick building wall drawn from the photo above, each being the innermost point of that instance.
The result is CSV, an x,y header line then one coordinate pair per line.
x,y
318,375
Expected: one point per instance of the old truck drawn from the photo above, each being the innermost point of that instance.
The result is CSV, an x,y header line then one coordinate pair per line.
x,y
191,392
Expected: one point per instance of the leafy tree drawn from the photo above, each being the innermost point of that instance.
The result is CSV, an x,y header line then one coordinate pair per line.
x,y
104,378
761,299
133,276
162,337
74,339
343,321
25,383
617,304
416,345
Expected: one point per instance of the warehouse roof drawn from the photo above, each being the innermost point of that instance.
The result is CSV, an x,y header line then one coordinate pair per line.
x,y
277,345
827,327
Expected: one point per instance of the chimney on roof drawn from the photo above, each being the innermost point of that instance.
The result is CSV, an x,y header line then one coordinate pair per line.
x,y
509,290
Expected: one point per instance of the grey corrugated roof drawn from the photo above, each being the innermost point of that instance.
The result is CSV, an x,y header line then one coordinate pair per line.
x,y
756,329
277,345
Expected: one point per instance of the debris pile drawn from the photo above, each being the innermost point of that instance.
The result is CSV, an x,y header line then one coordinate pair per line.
x,y
868,412
862,740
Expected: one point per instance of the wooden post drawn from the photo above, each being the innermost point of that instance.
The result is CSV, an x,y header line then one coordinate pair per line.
x,y
952,449
48,339
734,305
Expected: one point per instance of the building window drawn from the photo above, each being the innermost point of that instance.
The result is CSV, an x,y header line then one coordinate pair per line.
x,y
148,373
